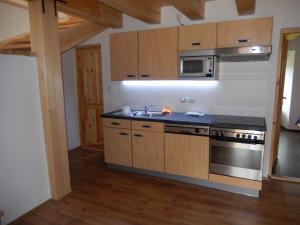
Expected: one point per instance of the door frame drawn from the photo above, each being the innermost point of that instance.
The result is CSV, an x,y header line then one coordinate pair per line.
x,y
78,94
281,66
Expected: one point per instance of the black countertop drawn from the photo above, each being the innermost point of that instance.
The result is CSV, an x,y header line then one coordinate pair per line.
x,y
223,121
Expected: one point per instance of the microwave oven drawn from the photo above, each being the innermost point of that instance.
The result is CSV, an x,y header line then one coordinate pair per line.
x,y
197,65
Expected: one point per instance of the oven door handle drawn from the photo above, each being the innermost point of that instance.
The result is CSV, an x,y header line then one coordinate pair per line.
x,y
254,147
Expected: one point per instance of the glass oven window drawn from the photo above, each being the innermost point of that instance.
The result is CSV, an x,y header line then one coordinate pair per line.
x,y
192,66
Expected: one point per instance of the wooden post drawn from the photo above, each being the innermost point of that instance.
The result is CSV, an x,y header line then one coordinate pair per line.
x,y
45,44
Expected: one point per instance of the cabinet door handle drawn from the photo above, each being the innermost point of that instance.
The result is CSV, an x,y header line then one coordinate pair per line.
x,y
138,135
242,40
124,134
145,75
146,126
196,43
131,75
115,123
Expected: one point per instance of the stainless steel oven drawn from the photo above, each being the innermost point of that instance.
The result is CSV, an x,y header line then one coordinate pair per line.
x,y
237,153
197,65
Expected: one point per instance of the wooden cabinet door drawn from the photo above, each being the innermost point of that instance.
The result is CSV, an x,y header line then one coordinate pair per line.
x,y
158,54
187,155
197,37
124,56
148,150
245,32
90,100
117,146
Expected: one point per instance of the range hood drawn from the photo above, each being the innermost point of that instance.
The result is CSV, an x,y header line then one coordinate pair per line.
x,y
243,54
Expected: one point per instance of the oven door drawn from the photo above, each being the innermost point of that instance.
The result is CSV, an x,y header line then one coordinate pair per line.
x,y
236,159
192,67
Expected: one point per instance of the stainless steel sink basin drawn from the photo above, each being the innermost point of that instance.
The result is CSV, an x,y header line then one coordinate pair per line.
x,y
148,115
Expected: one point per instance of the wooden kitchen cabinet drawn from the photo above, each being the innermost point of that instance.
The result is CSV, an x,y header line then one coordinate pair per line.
x,y
158,54
245,32
187,155
197,37
117,146
124,56
148,150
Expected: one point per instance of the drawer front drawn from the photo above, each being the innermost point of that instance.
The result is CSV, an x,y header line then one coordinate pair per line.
x,y
117,123
148,126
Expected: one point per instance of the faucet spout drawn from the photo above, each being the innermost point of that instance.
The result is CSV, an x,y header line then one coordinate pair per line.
x,y
147,108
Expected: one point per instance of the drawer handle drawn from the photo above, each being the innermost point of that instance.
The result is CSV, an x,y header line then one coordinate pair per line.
x,y
145,75
242,41
115,123
196,43
130,75
124,134
146,126
138,135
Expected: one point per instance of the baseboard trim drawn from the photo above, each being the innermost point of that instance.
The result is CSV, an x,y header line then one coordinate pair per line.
x,y
287,179
34,210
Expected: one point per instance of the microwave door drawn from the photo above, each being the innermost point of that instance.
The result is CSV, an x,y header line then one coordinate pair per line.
x,y
192,66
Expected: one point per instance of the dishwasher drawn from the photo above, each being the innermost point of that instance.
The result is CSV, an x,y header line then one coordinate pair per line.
x,y
187,150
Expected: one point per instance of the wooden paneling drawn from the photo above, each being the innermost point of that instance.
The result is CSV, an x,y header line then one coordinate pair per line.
x,y
148,150
148,126
196,37
124,56
158,54
45,38
245,7
117,146
187,155
233,181
89,82
117,123
245,32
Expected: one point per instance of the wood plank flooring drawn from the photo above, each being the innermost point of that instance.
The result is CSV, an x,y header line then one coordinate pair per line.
x,y
288,162
105,196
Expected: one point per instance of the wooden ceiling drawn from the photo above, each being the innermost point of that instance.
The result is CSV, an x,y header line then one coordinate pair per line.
x,y
89,17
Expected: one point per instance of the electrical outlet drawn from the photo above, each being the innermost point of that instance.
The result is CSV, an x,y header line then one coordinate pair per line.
x,y
183,99
187,99
192,100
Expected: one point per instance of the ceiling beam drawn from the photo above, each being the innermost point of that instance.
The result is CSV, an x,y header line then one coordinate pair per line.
x,y
245,7
73,36
193,9
139,9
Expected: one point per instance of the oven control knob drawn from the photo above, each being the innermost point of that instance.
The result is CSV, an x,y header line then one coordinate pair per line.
x,y
197,130
238,135
217,133
255,137
222,134
244,136
249,136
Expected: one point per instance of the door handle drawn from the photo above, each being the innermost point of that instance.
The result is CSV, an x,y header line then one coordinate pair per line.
x,y
196,43
242,40
146,126
115,123
130,75
124,134
145,75
138,135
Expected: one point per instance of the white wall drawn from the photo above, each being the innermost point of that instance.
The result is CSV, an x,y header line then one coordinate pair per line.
x,y
23,166
243,89
70,97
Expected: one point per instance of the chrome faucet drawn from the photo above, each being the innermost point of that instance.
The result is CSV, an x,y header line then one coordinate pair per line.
x,y
147,108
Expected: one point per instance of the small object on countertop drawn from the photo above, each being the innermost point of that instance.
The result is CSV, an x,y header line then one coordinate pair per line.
x,y
126,110
166,110
298,122
194,114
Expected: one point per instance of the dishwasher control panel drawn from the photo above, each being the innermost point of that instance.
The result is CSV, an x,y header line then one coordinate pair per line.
x,y
187,129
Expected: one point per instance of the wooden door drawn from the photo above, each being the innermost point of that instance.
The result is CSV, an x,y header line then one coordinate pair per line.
x,y
197,37
124,56
187,155
245,32
148,150
117,146
90,100
158,54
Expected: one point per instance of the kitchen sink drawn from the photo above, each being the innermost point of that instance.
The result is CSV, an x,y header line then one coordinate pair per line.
x,y
148,114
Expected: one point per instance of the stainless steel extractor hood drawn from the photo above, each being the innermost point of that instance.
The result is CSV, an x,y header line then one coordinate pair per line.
x,y
242,54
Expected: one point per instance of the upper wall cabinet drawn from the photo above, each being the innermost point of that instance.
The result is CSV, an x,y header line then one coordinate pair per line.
x,y
158,54
245,33
197,37
124,56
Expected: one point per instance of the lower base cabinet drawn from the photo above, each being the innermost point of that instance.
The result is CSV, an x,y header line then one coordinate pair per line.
x,y
187,155
117,146
148,150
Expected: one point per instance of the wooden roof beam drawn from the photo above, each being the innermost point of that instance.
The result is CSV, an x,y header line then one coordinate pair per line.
x,y
139,9
245,7
193,9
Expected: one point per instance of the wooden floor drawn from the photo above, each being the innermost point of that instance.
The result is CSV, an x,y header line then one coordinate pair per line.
x,y
288,161
108,197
